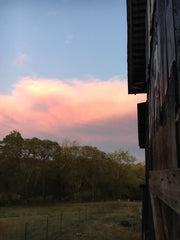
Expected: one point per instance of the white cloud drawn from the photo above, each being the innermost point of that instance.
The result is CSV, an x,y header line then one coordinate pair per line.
x,y
20,59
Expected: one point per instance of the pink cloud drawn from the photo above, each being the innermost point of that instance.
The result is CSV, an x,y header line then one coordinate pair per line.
x,y
86,110
20,59
69,38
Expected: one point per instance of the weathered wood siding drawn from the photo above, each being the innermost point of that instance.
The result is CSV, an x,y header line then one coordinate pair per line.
x,y
176,10
163,76
159,117
162,86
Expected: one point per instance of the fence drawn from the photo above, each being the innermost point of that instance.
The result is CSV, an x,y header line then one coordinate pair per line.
x,y
80,224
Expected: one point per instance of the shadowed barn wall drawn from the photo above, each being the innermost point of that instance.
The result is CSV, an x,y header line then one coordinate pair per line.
x,y
153,49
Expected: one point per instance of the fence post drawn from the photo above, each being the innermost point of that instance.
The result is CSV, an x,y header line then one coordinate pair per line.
x,y
25,233
86,214
47,225
61,217
79,215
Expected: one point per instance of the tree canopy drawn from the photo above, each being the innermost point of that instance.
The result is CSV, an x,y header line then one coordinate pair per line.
x,y
35,169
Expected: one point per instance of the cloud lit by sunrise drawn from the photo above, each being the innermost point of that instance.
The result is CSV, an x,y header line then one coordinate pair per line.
x,y
71,108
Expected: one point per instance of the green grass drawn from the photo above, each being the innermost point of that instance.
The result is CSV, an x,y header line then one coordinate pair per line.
x,y
71,221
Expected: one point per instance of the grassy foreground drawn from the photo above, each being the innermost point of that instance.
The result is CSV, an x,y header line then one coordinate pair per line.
x,y
72,221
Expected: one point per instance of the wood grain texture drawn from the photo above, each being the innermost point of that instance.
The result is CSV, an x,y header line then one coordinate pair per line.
x,y
165,184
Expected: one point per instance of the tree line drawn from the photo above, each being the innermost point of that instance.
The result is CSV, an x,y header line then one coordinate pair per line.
x,y
35,169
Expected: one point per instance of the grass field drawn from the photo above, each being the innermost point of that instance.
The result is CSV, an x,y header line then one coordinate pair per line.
x,y
71,221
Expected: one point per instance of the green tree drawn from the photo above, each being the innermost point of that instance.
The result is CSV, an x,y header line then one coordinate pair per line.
x,y
11,146
41,149
10,171
36,154
122,157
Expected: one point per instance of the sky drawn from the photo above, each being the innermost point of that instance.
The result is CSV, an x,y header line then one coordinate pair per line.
x,y
63,73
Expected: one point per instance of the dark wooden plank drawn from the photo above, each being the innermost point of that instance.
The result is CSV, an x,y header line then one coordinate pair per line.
x,y
142,120
176,11
165,184
170,35
136,11
157,218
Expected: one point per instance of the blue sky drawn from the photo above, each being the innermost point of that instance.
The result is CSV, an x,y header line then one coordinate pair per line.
x,y
63,72
62,39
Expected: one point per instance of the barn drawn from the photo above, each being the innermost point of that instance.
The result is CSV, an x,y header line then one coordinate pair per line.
x,y
154,70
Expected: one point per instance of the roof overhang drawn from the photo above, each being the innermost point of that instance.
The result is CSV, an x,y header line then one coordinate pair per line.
x,y
136,18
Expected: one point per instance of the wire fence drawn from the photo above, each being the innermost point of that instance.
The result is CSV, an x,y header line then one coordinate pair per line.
x,y
76,225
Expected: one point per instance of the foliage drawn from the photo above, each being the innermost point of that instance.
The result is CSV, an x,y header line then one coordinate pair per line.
x,y
35,169
122,157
